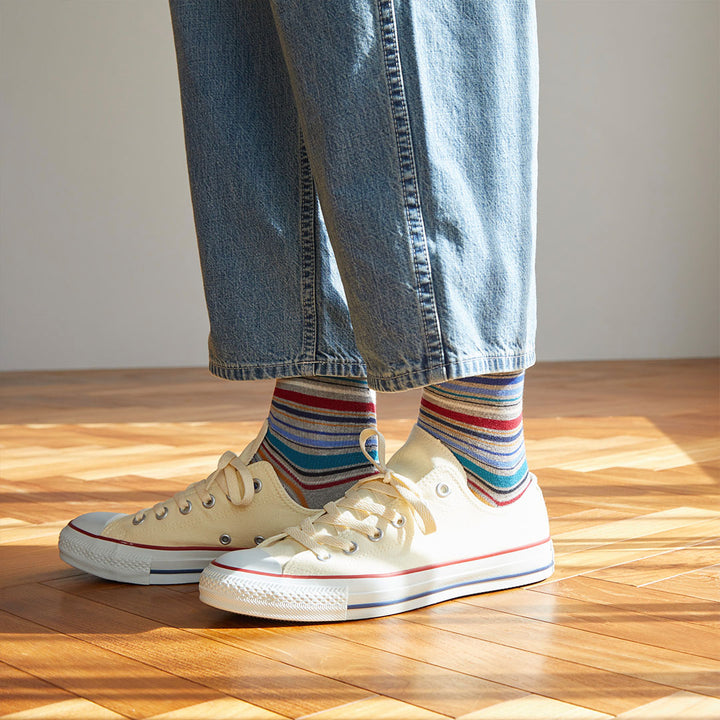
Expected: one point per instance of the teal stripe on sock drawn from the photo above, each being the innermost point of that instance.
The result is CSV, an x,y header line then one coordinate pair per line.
x,y
313,461
480,421
504,482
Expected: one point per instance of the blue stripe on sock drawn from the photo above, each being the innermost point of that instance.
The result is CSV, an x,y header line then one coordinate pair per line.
x,y
312,461
449,428
316,441
496,482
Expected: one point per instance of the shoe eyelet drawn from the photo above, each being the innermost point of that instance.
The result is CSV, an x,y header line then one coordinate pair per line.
x,y
135,521
257,485
162,515
398,522
209,503
225,539
442,489
323,558
377,536
258,539
185,510
352,549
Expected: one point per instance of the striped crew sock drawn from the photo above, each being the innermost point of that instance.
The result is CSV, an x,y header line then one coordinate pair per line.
x,y
480,420
312,437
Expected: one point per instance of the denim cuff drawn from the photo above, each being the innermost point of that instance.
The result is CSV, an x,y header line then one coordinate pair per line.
x,y
467,367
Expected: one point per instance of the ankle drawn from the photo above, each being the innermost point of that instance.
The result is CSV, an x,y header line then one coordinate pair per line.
x,y
312,437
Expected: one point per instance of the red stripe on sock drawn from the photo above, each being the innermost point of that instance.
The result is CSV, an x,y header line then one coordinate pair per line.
x,y
325,403
473,419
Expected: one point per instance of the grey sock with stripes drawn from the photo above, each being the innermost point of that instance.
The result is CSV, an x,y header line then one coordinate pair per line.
x,y
480,420
312,437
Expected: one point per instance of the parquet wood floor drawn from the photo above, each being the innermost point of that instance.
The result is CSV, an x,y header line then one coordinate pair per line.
x,y
628,454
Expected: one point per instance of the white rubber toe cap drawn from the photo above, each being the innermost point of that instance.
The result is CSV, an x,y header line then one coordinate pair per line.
x,y
94,522
253,560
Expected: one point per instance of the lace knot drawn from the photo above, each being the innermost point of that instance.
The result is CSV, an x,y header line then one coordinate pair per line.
x,y
403,486
239,483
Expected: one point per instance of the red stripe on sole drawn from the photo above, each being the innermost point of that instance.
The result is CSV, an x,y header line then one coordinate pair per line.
x,y
223,548
382,575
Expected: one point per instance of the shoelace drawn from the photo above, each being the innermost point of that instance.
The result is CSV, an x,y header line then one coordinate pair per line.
x,y
233,478
342,514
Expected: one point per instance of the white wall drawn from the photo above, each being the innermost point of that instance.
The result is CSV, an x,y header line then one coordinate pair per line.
x,y
98,265
629,198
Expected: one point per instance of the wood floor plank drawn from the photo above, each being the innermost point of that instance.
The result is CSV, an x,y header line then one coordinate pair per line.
x,y
586,454
685,705
651,601
380,671
226,708
607,620
628,455
535,707
32,560
376,707
69,492
575,519
158,461
703,583
651,524
622,489
20,691
581,646
128,687
663,566
649,455
11,522
593,559
530,671
30,531
275,686
75,709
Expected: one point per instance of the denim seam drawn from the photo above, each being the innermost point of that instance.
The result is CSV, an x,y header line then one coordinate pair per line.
x,y
260,371
408,180
466,367
307,245
250,366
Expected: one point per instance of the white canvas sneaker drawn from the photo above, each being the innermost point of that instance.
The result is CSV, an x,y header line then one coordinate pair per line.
x,y
236,506
410,536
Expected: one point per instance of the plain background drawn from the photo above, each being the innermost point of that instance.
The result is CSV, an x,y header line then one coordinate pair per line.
x,y
98,264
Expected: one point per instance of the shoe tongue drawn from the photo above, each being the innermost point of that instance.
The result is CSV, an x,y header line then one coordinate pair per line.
x,y
248,453
420,454
284,550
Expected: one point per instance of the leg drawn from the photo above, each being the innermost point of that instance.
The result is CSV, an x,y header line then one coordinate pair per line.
x,y
292,320
239,114
275,301
480,420
421,128
421,120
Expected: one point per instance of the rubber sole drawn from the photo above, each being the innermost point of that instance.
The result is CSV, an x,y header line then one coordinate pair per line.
x,y
140,565
327,599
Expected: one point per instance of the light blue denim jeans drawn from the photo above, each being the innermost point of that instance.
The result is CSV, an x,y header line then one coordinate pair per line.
x,y
363,176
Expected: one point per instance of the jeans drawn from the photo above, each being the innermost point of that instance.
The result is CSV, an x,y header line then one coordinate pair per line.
x,y
363,176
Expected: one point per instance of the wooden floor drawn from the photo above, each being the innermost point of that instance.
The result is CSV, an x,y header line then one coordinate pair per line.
x,y
629,626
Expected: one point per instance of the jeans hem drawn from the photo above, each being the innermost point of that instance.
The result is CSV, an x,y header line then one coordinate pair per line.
x,y
467,367
309,368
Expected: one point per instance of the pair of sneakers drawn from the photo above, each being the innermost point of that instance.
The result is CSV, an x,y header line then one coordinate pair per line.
x,y
411,535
